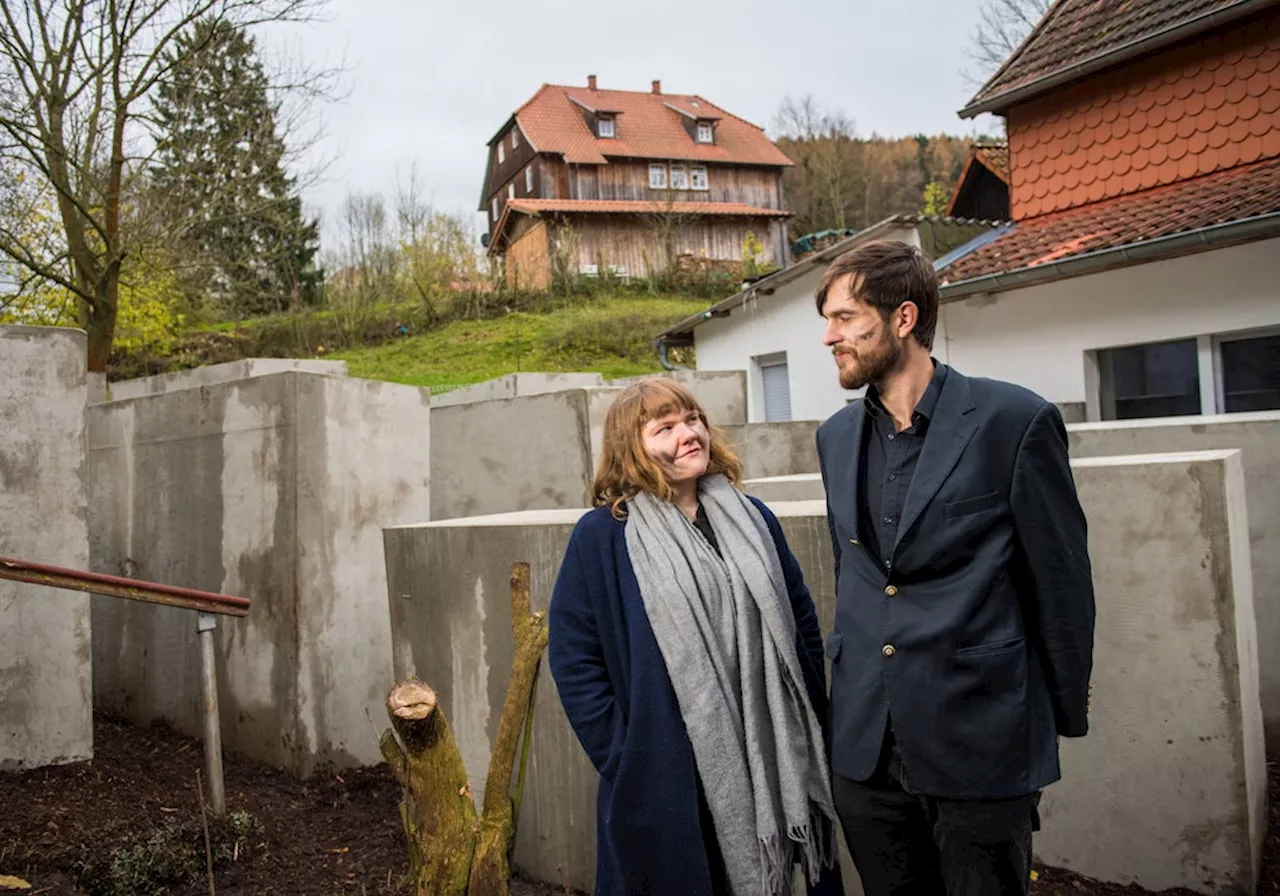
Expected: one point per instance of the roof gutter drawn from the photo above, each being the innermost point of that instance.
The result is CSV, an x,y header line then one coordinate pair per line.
x,y
1201,239
1147,44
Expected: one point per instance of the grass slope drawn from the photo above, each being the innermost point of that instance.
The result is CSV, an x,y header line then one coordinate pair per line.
x,y
607,335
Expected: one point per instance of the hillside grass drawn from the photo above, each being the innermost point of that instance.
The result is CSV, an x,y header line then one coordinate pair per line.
x,y
610,335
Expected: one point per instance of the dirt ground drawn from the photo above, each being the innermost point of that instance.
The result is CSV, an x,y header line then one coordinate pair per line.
x,y
128,822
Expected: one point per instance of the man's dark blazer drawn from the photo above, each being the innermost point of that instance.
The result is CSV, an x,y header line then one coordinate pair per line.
x,y
978,640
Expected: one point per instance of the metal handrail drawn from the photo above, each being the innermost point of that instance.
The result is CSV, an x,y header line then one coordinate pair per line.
x,y
208,607
117,586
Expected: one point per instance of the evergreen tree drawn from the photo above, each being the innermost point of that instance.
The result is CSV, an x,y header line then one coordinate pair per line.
x,y
220,172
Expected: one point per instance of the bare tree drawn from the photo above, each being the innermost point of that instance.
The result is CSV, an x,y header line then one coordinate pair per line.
x,y
437,250
75,80
830,177
1001,28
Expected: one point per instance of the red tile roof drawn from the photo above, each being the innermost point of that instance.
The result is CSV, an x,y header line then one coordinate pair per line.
x,y
647,128
641,207
1220,198
1074,32
995,156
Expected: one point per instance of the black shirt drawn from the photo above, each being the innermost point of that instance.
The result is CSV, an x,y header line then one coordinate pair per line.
x,y
703,525
888,464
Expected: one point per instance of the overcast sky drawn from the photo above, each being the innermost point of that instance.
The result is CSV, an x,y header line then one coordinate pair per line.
x,y
429,82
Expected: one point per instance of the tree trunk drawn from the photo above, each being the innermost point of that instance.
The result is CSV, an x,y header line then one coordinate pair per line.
x,y
450,853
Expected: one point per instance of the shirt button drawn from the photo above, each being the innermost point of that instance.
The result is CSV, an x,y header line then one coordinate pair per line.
x,y
888,520
893,476
892,436
888,650
891,590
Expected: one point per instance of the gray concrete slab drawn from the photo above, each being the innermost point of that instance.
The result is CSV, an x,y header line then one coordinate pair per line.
x,y
1175,757
722,393
274,488
218,373
776,449
46,713
514,385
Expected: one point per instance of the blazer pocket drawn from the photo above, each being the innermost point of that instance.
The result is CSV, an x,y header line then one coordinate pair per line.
x,y
991,647
969,506
835,641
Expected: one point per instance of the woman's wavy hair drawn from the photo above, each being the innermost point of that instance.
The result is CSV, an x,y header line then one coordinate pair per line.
x,y
626,468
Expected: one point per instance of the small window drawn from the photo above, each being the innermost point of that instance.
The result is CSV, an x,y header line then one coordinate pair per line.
x,y
502,153
515,138
679,178
699,175
1160,379
776,385
494,208
511,191
528,179
706,133
657,177
1251,374
605,127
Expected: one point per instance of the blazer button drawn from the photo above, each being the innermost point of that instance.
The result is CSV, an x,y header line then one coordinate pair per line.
x,y
853,541
888,650
891,590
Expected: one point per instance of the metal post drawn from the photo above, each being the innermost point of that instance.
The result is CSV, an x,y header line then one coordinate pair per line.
x,y
206,624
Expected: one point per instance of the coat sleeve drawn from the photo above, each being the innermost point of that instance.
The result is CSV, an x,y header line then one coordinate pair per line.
x,y
1052,536
577,659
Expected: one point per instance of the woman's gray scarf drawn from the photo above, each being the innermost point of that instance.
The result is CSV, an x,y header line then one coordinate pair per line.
x,y
728,637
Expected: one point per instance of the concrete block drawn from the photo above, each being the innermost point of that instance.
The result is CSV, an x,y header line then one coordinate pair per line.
x,y
1257,435
801,487
722,393
46,713
776,449
220,373
274,488
516,384
1175,758
526,453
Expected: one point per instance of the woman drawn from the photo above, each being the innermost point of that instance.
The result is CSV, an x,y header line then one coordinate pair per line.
x,y
687,654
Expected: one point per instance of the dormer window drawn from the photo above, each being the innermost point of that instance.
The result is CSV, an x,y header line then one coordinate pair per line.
x,y
605,128
515,138
502,152
706,133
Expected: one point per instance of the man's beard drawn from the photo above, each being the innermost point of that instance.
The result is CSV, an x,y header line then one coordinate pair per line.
x,y
872,365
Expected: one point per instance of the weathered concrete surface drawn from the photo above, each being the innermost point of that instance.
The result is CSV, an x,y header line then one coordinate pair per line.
x,y
722,393
527,453
801,487
516,384
219,373
776,449
46,713
1175,755
1258,437
274,488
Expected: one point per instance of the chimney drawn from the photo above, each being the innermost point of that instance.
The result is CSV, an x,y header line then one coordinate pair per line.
x,y
591,82
657,87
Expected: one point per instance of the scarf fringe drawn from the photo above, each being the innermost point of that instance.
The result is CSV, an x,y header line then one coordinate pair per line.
x,y
812,845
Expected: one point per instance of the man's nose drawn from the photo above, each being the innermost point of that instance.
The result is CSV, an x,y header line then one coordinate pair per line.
x,y
830,336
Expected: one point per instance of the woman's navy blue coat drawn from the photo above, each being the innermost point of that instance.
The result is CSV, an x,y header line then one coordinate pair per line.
x,y
616,693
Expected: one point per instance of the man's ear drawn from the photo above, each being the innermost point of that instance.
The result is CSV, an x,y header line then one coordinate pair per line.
x,y
905,317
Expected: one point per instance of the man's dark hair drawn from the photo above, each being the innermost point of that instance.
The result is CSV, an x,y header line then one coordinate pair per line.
x,y
888,273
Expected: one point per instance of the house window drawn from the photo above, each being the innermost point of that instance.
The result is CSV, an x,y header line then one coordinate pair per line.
x,y
605,128
515,138
502,153
657,177
1160,379
706,133
511,191
699,176
494,208
679,178
528,179
1250,373
775,385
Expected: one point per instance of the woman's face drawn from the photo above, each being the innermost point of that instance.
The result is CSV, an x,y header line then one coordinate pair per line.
x,y
680,444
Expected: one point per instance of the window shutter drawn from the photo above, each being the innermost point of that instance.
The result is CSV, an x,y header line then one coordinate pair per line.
x,y
777,392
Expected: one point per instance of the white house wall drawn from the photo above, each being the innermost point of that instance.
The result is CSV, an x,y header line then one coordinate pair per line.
x,y
785,322
1038,336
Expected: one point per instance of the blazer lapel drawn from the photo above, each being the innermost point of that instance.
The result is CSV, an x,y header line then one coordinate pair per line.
x,y
949,433
843,466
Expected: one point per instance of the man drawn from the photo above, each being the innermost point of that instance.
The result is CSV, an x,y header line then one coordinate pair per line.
x,y
963,639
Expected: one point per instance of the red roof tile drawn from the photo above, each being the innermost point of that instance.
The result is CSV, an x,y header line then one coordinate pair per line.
x,y
647,128
1219,198
1074,32
641,207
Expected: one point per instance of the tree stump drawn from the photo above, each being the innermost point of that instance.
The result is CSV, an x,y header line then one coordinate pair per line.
x,y
452,851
